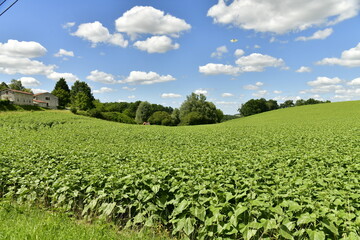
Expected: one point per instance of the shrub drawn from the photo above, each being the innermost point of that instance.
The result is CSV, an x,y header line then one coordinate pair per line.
x,y
160,118
193,118
116,117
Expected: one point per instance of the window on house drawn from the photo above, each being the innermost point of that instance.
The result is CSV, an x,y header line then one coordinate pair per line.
x,y
47,98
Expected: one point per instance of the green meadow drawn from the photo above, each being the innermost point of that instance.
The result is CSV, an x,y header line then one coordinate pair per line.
x,y
286,174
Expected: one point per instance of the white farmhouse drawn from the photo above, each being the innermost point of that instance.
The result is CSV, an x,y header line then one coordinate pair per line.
x,y
46,100
17,97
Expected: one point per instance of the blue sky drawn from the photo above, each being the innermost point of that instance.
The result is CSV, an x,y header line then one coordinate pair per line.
x,y
160,51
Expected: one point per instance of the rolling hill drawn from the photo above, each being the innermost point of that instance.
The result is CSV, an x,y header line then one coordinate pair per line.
x,y
289,173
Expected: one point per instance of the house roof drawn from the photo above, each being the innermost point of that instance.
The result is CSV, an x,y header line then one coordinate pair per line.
x,y
40,94
39,101
18,91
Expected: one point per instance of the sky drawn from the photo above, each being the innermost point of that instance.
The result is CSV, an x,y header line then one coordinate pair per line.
x,y
160,51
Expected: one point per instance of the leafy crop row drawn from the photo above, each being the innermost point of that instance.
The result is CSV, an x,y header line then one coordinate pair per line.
x,y
289,174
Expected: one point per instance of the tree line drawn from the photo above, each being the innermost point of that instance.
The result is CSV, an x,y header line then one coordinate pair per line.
x,y
255,106
193,111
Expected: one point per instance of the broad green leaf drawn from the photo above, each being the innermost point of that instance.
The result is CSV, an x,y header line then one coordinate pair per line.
x,y
189,226
315,235
285,233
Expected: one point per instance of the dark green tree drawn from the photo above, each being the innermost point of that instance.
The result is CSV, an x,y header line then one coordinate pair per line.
x,y
160,118
287,103
62,91
85,100
198,103
3,86
143,112
253,106
82,102
272,105
175,117
17,85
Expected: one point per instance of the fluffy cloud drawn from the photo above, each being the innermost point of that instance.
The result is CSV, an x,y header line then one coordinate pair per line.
x,y
149,20
322,81
128,89
29,82
257,62
68,25
277,92
219,52
64,53
16,49
104,90
354,82
69,77
303,69
239,52
256,86
15,57
324,85
201,91
226,103
131,97
321,34
349,58
260,93
215,69
281,16
170,95
102,77
146,78
156,44
96,33
227,95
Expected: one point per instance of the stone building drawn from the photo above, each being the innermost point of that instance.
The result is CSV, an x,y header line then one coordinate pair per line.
x,y
17,97
46,100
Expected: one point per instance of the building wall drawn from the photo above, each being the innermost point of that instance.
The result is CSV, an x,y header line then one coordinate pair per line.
x,y
53,101
17,98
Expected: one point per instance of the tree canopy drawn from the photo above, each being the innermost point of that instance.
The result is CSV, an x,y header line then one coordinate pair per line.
x,y
17,85
206,111
81,96
62,91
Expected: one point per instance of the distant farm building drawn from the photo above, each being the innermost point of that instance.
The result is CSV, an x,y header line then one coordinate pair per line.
x,y
17,97
46,100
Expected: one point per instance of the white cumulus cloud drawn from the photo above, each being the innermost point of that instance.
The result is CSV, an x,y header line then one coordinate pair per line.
x,y
170,95
149,20
156,44
69,77
102,77
227,95
321,34
104,90
349,58
37,90
96,33
354,82
68,25
257,62
16,57
281,16
29,82
64,53
146,78
219,52
320,81
215,69
303,69
201,91
239,52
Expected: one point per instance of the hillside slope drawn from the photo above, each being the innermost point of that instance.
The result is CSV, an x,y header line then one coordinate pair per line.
x,y
291,173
